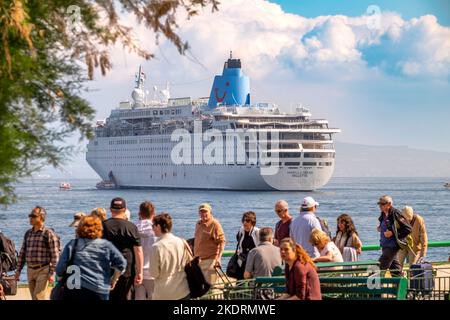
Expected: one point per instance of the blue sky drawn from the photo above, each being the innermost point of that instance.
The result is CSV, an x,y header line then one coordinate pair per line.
x,y
407,8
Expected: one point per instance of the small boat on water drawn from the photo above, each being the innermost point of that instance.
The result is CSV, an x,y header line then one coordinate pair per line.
x,y
447,185
65,186
105,185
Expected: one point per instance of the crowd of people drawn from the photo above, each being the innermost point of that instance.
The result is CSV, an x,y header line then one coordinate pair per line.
x,y
120,260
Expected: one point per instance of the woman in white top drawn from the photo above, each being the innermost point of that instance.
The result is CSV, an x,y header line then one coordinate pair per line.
x,y
328,250
247,238
167,260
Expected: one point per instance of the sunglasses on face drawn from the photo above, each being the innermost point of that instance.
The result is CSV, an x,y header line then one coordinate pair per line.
x,y
247,220
33,216
279,210
382,203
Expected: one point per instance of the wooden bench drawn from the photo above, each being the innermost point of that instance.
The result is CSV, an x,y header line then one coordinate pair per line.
x,y
353,288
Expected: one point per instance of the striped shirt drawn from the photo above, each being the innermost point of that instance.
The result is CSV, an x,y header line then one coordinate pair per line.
x,y
39,250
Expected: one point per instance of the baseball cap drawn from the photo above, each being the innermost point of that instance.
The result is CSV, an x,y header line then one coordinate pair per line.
x,y
205,206
118,204
309,202
77,218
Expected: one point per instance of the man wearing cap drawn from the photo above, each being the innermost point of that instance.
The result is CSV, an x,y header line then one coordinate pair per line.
x,y
125,236
209,242
419,236
40,252
303,224
391,235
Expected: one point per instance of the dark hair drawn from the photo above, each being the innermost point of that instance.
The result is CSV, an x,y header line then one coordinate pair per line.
x,y
146,209
164,220
348,223
249,215
265,233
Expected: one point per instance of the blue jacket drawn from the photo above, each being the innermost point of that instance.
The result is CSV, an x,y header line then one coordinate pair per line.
x,y
403,230
95,258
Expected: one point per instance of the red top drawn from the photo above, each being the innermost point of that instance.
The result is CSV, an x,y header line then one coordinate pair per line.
x,y
302,280
282,229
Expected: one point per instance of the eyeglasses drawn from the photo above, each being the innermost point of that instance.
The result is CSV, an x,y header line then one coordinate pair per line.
x,y
382,203
33,216
280,210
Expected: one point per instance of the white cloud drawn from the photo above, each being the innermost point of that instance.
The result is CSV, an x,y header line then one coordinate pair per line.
x,y
271,42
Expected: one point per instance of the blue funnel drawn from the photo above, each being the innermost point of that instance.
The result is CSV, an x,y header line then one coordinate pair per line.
x,y
232,87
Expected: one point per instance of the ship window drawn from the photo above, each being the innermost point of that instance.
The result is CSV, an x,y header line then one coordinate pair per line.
x,y
290,155
292,163
308,164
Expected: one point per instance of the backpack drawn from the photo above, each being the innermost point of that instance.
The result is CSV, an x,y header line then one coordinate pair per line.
x,y
46,236
8,254
405,243
324,226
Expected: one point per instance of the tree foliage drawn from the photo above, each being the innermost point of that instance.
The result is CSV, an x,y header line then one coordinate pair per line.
x,y
48,50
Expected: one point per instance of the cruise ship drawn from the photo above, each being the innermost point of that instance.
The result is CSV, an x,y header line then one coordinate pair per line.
x,y
222,142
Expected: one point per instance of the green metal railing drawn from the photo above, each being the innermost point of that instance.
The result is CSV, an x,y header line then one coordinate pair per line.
x,y
371,247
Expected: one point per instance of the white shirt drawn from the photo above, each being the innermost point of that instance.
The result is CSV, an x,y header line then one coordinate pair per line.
x,y
167,261
145,229
300,230
331,247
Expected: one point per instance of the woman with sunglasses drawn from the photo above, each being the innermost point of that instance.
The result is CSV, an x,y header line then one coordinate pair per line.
x,y
247,238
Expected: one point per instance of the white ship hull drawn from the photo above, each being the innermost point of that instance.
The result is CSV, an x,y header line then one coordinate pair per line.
x,y
140,166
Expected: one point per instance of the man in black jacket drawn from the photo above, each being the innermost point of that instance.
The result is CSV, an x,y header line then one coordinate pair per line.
x,y
393,228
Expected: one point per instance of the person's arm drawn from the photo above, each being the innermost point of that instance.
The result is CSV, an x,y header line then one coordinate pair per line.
x,y
219,252
139,254
325,258
21,258
61,266
220,240
118,263
53,244
117,260
423,238
301,286
357,243
154,262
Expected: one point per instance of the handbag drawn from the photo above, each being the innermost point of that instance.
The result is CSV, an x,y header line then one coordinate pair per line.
x,y
233,267
58,290
197,283
9,284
